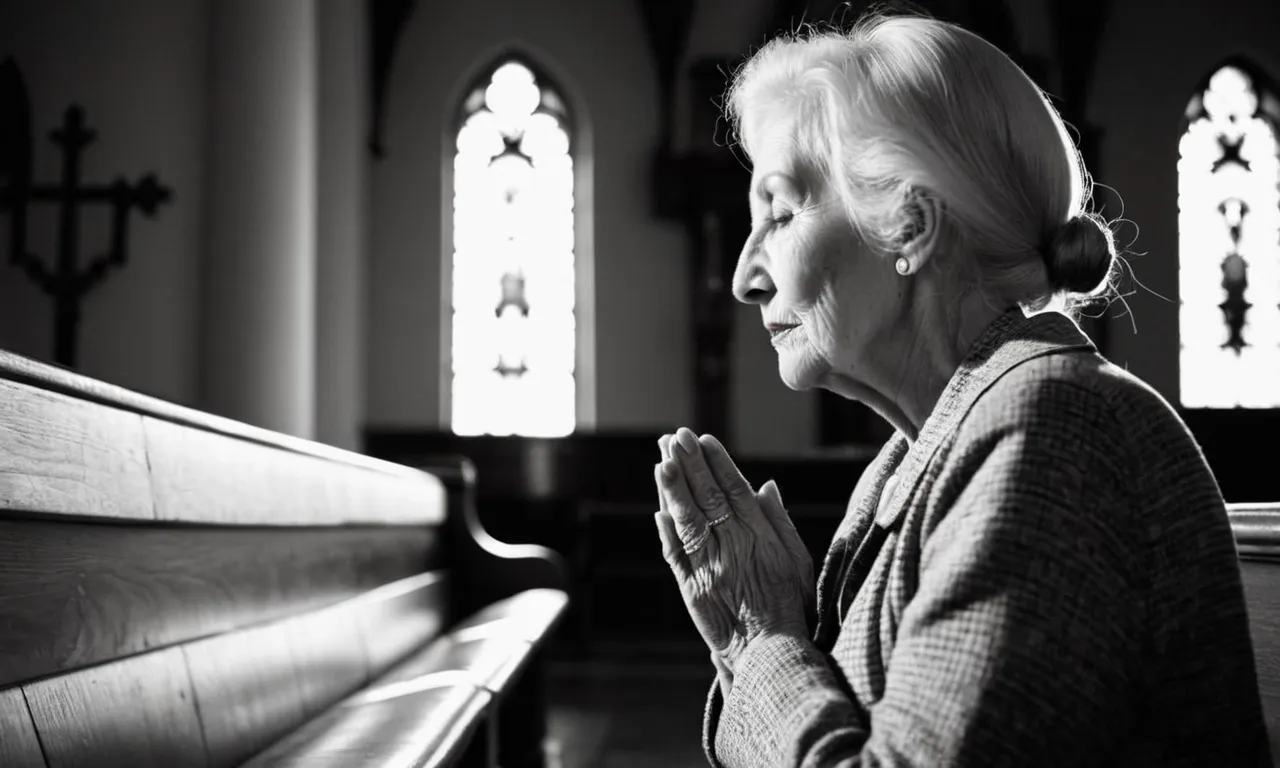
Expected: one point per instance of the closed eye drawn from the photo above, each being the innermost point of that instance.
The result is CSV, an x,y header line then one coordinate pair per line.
x,y
783,219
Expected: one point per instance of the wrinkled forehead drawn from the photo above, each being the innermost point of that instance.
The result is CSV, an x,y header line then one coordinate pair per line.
x,y
771,139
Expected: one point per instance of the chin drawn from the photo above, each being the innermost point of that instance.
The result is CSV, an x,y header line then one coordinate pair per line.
x,y
800,371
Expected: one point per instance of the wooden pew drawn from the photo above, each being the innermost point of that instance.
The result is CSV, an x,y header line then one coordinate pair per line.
x,y
178,589
1257,532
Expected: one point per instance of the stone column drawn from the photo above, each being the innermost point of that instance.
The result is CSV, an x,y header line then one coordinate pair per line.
x,y
342,247
258,280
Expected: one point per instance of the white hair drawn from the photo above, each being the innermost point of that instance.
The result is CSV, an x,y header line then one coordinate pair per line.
x,y
903,103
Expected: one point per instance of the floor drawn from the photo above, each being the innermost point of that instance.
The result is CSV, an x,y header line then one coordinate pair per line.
x,y
627,714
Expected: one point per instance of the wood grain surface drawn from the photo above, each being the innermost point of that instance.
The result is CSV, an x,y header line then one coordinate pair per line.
x,y
36,375
1257,532
67,453
489,663
65,456
76,594
246,687
19,747
138,711
400,731
527,615
400,618
202,476
328,654
1262,592
255,685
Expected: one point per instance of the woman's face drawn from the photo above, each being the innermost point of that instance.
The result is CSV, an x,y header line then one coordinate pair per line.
x,y
826,297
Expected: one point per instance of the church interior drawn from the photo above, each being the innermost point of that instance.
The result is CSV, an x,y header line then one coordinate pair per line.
x,y
297,216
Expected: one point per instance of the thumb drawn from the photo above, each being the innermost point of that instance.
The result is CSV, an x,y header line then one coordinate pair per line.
x,y
672,550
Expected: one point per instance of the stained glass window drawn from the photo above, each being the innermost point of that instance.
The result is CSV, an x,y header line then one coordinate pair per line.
x,y
513,260
1229,244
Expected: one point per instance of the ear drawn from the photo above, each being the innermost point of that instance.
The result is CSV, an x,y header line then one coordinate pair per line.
x,y
922,219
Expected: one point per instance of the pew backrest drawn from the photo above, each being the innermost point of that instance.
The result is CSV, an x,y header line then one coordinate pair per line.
x,y
182,589
1257,532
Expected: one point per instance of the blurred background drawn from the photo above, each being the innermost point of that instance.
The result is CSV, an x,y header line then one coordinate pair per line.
x,y
506,229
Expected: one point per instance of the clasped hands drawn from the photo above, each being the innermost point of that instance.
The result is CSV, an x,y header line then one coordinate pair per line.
x,y
739,562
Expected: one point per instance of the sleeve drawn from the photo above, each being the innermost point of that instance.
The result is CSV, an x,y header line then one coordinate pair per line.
x,y
716,694
711,721
1020,646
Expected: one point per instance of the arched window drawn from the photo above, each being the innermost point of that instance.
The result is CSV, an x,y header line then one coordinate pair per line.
x,y
1229,243
513,321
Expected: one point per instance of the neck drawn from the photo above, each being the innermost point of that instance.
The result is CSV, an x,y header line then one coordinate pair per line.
x,y
918,357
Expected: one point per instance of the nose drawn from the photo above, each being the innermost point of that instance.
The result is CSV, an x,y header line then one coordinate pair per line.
x,y
751,281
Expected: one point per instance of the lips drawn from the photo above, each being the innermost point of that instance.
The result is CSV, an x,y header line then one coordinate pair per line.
x,y
778,332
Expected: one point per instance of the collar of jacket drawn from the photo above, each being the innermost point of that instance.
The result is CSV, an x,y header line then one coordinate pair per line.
x,y
1010,340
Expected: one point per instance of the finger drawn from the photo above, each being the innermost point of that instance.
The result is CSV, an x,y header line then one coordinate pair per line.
x,y
664,446
736,489
690,522
657,481
775,513
707,494
672,549
664,450
742,499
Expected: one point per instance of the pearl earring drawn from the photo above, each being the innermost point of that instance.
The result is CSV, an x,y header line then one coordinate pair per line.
x,y
902,265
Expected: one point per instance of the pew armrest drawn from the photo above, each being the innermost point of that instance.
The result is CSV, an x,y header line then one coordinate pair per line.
x,y
1257,530
428,709
430,725
492,570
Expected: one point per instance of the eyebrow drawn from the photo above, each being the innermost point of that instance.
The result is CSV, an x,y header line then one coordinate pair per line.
x,y
762,186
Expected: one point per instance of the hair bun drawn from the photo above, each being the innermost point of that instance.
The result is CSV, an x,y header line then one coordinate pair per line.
x,y
1079,257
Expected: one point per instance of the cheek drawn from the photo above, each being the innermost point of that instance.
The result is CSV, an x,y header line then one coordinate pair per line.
x,y
808,273
843,300
824,319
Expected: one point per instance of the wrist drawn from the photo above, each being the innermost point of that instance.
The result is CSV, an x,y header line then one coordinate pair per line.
x,y
739,646
724,675
796,629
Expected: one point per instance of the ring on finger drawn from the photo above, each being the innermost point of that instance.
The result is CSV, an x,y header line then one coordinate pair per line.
x,y
699,542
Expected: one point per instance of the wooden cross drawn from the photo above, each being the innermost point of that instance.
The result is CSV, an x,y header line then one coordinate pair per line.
x,y
67,283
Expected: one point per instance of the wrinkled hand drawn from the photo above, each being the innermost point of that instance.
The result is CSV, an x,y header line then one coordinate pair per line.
x,y
739,563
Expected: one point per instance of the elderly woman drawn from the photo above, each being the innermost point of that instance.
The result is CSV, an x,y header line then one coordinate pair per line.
x,y
1037,569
